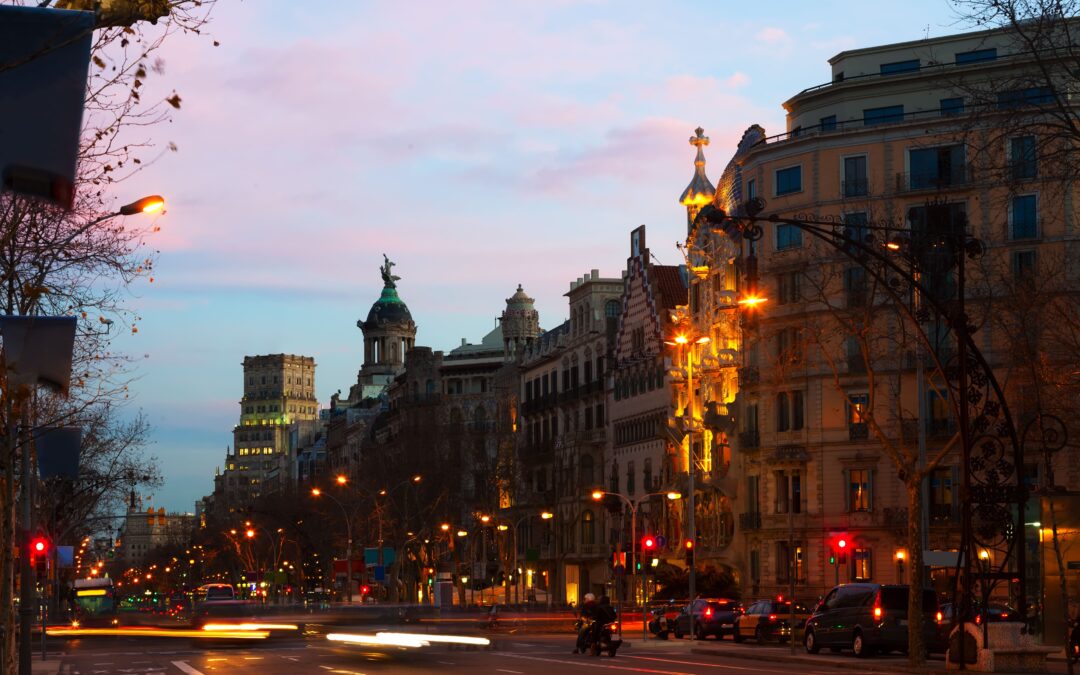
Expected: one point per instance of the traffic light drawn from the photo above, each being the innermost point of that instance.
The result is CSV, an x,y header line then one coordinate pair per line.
x,y
39,554
648,543
688,551
832,557
364,590
842,545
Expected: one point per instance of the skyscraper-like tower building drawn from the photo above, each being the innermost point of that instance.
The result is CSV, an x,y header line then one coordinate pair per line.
x,y
520,323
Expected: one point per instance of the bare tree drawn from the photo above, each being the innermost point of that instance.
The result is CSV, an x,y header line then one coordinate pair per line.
x,y
78,263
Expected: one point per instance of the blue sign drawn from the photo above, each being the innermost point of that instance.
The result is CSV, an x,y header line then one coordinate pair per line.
x,y
378,573
661,541
371,556
65,556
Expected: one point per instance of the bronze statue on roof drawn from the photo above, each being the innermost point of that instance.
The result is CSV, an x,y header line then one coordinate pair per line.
x,y
388,277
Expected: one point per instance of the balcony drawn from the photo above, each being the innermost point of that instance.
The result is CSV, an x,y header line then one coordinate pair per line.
x,y
959,176
943,514
750,521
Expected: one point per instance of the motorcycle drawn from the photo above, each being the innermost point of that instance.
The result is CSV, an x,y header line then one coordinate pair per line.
x,y
609,642
660,625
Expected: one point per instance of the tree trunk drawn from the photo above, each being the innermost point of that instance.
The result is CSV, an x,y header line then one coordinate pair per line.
x,y
1062,579
916,644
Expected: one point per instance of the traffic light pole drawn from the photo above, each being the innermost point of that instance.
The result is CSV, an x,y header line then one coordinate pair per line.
x,y
26,568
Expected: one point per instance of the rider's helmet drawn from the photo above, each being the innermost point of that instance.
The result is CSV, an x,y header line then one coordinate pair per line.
x,y
590,598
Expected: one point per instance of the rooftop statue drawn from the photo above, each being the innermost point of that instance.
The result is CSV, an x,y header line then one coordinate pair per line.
x,y
388,277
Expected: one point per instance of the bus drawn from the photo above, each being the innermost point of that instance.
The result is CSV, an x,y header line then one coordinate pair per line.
x,y
95,603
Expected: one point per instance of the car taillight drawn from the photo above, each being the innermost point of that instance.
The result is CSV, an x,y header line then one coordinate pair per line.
x,y
877,612
939,617
978,619
772,617
1004,615
708,611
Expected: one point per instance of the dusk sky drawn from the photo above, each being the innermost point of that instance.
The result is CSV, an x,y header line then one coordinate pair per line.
x,y
478,144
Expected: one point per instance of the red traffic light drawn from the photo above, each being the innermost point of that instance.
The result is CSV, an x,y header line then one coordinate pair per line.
x,y
842,544
648,543
39,546
364,590
688,544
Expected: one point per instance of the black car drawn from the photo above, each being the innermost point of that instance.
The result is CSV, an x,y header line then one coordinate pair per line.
x,y
712,616
868,618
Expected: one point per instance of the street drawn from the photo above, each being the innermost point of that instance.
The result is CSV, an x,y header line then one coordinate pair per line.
x,y
507,654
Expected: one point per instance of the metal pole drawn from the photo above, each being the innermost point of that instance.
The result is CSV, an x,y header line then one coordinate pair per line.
x,y
692,468
960,327
794,568
26,576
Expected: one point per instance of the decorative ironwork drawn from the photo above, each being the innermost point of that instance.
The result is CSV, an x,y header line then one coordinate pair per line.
x,y
937,248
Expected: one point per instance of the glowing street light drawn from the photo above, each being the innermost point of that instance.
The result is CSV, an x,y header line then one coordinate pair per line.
x,y
342,479
150,204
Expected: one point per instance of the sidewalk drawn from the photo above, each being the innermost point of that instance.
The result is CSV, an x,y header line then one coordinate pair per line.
x,y
892,663
50,666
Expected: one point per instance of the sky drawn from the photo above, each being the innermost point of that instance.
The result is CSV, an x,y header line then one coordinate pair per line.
x,y
480,145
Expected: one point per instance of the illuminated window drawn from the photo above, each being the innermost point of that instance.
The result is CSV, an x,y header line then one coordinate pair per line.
x,y
861,564
859,486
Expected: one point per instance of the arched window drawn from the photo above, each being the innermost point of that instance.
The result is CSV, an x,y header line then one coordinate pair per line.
x,y
611,309
588,528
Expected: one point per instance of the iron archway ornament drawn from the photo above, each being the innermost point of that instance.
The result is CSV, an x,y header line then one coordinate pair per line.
x,y
994,493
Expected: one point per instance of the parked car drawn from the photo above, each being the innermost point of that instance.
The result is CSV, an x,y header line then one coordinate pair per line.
x,y
769,620
868,618
995,611
712,616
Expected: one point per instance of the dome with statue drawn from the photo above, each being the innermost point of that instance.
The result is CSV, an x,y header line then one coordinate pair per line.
x,y
389,308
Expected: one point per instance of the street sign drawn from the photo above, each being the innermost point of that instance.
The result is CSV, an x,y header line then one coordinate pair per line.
x,y
65,556
44,58
371,556
1072,565
620,570
378,573
661,541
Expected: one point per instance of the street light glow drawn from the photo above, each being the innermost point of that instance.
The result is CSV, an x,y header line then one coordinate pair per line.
x,y
547,515
150,204
674,495
417,478
752,301
598,495
681,339
315,492
445,527
342,479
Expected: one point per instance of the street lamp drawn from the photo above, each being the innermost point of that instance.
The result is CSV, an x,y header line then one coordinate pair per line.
x,y
598,495
543,515
316,492
688,417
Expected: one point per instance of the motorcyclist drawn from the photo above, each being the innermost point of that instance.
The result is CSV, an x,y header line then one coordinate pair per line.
x,y
603,615
587,615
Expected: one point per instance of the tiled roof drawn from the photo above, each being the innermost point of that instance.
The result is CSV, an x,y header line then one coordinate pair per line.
x,y
669,281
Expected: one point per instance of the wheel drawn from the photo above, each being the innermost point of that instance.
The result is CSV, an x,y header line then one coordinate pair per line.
x,y
759,635
700,633
611,652
859,646
678,632
810,642
736,633
662,635
595,651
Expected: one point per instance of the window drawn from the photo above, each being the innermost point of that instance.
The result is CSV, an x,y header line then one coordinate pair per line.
x,y
900,67
976,56
783,562
787,236
630,487
856,227
611,309
783,414
783,492
613,479
861,564
885,115
647,482
859,498
952,107
789,287
788,180
797,410
857,405
789,345
751,188
941,502
936,167
1023,216
828,123
1023,163
1024,265
855,288
588,528
796,492
855,182
1017,98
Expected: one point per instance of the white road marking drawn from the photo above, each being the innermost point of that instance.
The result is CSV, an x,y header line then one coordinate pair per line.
x,y
447,663
756,669
503,670
185,668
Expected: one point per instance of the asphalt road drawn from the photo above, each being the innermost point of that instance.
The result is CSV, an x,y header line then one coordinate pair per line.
x,y
540,654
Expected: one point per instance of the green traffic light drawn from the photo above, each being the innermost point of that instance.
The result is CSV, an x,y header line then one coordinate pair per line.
x,y
832,560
